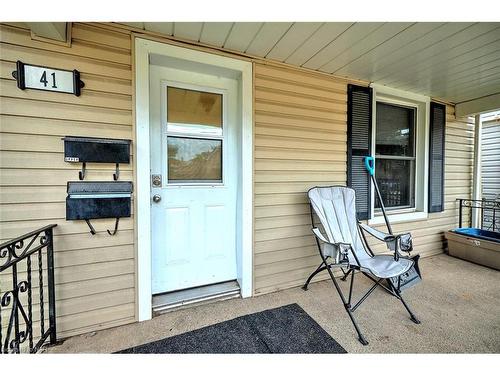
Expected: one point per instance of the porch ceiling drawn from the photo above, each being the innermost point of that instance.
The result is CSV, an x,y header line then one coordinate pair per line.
x,y
457,62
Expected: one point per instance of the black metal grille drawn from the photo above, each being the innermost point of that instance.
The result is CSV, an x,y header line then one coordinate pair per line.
x,y
19,283
489,212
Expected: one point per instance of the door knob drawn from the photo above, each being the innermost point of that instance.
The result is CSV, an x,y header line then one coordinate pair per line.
x,y
156,198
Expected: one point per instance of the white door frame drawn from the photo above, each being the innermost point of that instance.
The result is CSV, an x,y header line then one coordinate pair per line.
x,y
143,49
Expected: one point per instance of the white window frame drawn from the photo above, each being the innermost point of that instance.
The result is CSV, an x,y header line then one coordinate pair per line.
x,y
192,133
422,104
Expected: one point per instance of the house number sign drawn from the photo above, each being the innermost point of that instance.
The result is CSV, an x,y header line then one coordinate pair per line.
x,y
47,79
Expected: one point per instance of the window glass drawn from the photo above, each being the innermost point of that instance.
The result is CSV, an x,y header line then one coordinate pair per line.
x,y
194,160
395,155
395,181
195,108
395,130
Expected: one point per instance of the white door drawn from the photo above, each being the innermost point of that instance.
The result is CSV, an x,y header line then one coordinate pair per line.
x,y
194,152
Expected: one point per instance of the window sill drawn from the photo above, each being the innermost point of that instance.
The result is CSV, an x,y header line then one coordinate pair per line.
x,y
399,218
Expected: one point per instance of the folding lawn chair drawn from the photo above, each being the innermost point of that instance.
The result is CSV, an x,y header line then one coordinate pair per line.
x,y
342,244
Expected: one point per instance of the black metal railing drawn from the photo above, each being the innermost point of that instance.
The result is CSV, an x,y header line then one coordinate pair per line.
x,y
489,213
26,270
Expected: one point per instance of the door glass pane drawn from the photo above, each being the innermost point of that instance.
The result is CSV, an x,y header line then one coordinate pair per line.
x,y
195,109
194,160
395,130
395,181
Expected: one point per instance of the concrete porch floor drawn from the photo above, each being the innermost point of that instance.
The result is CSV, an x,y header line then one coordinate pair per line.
x,y
458,303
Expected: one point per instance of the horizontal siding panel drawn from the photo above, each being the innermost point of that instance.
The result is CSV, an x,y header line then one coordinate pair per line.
x,y
295,165
13,229
282,233
47,177
285,176
287,254
65,275
280,108
271,246
281,210
8,88
297,123
262,82
95,34
323,104
293,187
47,109
263,200
297,76
102,239
293,154
330,144
60,128
21,37
86,303
334,132
281,221
93,320
12,53
286,266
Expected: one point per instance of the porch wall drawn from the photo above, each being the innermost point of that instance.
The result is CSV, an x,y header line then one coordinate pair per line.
x,y
300,142
94,274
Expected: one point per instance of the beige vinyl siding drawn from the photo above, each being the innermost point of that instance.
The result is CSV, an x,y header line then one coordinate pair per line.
x,y
300,142
95,275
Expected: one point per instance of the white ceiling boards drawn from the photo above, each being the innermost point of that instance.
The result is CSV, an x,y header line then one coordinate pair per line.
x,y
454,61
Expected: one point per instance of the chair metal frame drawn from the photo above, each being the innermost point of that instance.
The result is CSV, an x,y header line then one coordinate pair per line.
x,y
343,249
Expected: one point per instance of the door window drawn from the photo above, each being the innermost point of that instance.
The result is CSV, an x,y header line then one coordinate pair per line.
x,y
194,160
194,136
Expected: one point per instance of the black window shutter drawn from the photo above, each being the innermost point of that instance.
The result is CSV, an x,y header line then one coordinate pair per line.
x,y
359,130
436,157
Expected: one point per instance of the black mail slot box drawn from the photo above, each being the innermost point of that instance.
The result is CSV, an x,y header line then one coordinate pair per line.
x,y
98,200
96,150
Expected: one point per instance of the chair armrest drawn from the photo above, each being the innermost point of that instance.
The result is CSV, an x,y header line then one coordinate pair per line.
x,y
338,251
396,243
320,236
378,234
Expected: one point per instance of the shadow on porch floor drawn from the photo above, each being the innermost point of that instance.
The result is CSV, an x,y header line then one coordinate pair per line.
x,y
458,303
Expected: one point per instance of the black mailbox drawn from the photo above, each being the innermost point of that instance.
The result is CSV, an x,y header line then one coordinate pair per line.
x,y
96,150
98,200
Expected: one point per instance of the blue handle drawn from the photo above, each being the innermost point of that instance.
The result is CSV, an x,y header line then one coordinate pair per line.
x,y
370,164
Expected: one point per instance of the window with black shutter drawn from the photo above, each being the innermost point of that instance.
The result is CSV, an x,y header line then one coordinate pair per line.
x,y
404,128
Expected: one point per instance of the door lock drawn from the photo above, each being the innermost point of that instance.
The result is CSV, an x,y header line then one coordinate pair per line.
x,y
156,198
156,180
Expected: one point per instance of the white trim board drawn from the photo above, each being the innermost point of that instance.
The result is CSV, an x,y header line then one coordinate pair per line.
x,y
144,49
485,104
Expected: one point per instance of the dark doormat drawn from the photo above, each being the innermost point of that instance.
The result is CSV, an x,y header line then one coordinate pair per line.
x,y
286,329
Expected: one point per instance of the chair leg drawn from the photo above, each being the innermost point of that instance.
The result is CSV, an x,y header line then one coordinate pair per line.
x,y
413,318
344,278
320,268
361,338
